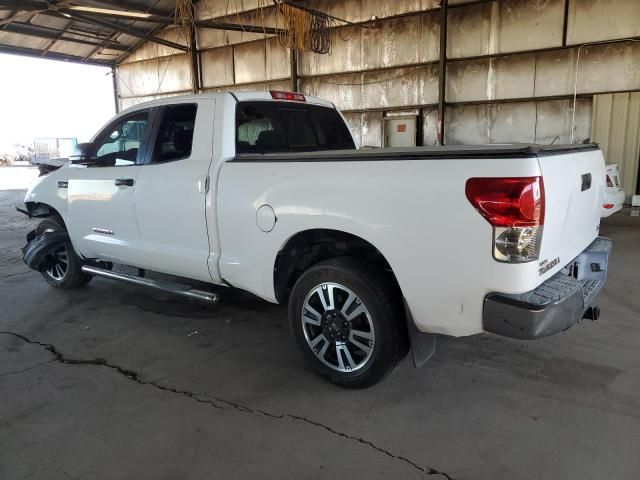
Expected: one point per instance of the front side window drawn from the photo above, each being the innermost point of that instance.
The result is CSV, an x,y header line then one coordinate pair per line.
x,y
175,136
120,143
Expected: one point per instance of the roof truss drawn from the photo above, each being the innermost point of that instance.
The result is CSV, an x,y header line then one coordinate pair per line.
x,y
96,23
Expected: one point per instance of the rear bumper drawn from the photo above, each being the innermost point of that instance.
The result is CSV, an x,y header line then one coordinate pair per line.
x,y
615,198
554,305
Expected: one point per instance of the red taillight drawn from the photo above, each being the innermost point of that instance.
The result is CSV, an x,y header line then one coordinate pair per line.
x,y
295,97
609,182
608,206
508,202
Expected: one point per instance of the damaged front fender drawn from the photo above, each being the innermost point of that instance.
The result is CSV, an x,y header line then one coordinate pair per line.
x,y
40,248
36,210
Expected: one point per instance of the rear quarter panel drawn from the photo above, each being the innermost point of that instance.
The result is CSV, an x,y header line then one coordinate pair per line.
x,y
414,211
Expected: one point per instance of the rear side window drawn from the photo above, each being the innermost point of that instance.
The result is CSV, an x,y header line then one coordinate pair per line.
x,y
258,128
269,127
297,126
175,136
332,130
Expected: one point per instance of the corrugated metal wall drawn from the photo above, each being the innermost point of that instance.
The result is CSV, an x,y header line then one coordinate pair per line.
x,y
511,68
616,127
154,71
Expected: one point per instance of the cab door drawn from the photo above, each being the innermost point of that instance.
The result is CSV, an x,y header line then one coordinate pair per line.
x,y
172,190
102,220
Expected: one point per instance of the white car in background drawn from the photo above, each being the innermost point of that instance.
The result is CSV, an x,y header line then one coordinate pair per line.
x,y
614,194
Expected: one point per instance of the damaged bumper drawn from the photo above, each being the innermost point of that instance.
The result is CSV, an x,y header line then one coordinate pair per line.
x,y
554,305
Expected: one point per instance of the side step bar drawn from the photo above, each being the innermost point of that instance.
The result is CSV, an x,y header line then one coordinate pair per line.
x,y
166,286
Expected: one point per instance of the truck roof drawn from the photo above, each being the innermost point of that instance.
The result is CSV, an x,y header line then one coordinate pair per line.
x,y
241,96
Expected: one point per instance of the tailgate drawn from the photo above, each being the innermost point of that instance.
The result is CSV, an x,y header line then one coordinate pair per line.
x,y
574,192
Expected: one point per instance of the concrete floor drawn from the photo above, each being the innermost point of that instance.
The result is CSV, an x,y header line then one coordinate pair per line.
x,y
114,381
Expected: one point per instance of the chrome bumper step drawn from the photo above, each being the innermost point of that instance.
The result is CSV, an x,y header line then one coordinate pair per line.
x,y
554,305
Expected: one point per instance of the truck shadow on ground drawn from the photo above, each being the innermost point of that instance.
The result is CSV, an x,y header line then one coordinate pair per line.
x,y
492,356
481,356
232,302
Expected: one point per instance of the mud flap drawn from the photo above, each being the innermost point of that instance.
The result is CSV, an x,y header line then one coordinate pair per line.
x,y
38,248
423,345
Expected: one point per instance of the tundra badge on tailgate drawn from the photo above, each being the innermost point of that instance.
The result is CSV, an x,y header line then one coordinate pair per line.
x,y
546,265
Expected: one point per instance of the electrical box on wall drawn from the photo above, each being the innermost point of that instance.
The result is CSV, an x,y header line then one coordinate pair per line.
x,y
400,131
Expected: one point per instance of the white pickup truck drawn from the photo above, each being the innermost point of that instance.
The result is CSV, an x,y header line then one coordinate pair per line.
x,y
375,251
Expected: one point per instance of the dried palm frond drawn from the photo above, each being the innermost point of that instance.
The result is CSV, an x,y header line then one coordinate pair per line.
x,y
183,18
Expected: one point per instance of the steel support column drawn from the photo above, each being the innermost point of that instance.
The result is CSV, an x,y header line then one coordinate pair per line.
x,y
114,81
442,71
293,57
565,23
193,50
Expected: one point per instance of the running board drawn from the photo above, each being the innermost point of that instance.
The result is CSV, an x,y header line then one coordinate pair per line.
x,y
166,286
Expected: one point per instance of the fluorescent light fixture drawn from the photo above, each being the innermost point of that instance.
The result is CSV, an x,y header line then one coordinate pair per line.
x,y
109,11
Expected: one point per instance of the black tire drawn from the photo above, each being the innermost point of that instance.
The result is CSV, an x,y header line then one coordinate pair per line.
x,y
382,303
73,275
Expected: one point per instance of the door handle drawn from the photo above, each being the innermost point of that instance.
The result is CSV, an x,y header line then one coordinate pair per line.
x,y
126,182
203,184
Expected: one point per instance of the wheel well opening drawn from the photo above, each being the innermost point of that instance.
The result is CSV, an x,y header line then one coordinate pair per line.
x,y
42,210
307,248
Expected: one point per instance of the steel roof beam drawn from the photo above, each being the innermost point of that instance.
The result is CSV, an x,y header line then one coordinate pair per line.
x,y
124,5
120,28
48,33
24,5
236,27
163,20
72,29
8,18
98,48
138,44
14,16
60,35
31,52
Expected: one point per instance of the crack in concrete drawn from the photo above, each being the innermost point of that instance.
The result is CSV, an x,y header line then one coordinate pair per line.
x,y
218,402
16,274
26,369
192,364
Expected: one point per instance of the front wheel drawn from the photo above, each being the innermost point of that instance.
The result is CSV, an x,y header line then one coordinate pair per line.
x,y
346,318
61,268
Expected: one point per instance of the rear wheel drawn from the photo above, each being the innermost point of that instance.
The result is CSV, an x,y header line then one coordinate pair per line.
x,y
62,268
345,316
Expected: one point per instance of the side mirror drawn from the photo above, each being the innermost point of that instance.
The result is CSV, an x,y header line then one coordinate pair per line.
x,y
84,154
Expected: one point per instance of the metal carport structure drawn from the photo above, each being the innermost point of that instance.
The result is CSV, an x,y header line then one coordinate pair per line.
x,y
96,32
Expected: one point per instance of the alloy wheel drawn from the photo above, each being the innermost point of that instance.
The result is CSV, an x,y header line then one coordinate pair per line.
x,y
57,264
338,327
